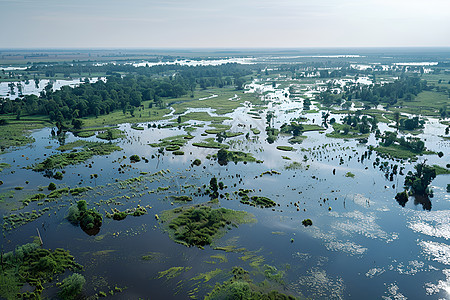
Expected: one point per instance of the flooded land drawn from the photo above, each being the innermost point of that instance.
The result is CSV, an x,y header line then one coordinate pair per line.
x,y
245,176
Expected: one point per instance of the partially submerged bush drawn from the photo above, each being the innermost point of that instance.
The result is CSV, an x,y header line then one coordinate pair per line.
x,y
135,158
307,222
72,286
51,186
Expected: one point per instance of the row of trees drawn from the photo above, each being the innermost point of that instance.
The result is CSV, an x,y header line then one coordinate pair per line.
x,y
120,92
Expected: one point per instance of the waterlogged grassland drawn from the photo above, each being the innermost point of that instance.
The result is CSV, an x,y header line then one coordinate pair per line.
x,y
31,265
210,143
425,103
201,225
400,152
113,135
221,104
202,116
118,117
17,133
61,160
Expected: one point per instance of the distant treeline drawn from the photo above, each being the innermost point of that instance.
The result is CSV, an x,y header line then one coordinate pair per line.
x,y
123,92
405,88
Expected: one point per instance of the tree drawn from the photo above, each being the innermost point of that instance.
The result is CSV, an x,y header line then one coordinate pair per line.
x,y
397,119
222,157
418,182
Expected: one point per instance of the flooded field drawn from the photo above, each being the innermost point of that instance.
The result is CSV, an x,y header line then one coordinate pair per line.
x,y
358,241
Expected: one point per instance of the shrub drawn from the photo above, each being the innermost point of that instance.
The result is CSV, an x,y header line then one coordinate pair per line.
x,y
71,286
51,186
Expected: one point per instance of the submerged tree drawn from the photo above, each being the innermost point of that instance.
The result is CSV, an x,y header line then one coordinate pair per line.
x,y
417,183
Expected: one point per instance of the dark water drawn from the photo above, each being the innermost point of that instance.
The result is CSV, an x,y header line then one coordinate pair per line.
x,y
362,243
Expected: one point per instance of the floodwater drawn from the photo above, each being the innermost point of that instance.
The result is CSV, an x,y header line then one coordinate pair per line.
x,y
362,244
32,88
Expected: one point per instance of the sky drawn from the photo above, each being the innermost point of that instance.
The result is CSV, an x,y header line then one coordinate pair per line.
x,y
223,23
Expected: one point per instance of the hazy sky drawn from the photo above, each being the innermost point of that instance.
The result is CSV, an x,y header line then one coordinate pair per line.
x,y
223,23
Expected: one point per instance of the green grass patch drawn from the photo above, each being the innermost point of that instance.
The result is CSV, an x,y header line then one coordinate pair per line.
x,y
117,117
285,148
201,225
115,134
202,116
441,170
33,265
89,149
210,143
256,130
17,133
312,127
397,151
4,166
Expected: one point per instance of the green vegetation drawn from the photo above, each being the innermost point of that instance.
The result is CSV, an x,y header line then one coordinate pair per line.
x,y
307,222
400,147
13,221
173,142
201,225
241,287
210,143
88,219
4,166
255,200
71,286
17,133
182,198
202,116
441,170
121,215
111,134
346,132
256,130
224,156
285,148
417,182
29,264
135,158
349,174
172,272
61,160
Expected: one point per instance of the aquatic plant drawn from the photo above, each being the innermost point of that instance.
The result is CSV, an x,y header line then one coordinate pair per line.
x,y
240,286
88,219
201,225
33,265
71,286
61,160
255,200
135,158
307,222
51,186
